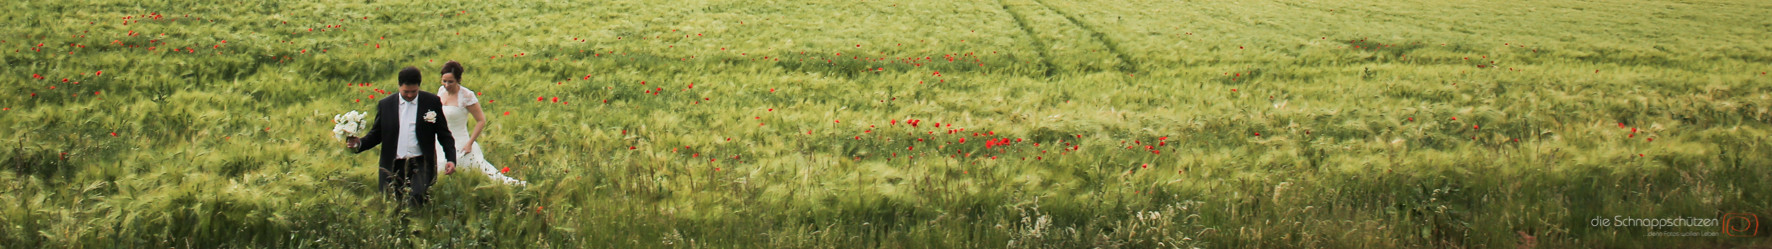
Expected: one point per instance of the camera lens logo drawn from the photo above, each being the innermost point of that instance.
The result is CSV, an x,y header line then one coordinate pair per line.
x,y
1741,225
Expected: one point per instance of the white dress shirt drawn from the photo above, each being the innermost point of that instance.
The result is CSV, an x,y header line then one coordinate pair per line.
x,y
408,144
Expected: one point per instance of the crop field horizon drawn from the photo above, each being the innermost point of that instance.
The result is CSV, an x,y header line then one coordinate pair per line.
x,y
900,124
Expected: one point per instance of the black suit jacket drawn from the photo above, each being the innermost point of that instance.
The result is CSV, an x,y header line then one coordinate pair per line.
x,y
386,129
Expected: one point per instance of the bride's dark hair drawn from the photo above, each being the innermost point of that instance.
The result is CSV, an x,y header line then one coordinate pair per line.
x,y
452,67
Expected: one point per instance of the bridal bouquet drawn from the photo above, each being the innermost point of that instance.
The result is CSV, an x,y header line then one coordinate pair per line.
x,y
350,124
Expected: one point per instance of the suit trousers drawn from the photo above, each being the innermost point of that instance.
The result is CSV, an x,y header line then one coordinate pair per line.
x,y
410,180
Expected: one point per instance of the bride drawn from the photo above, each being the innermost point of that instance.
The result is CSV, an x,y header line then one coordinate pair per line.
x,y
458,103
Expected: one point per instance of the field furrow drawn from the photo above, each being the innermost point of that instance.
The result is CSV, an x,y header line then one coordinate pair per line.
x,y
1070,47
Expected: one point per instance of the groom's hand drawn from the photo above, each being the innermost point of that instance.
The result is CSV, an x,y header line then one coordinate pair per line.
x,y
448,168
352,142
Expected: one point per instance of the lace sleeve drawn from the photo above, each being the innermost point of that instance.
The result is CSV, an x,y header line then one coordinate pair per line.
x,y
467,98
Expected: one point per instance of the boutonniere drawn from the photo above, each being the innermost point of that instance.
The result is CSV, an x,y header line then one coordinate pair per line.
x,y
431,116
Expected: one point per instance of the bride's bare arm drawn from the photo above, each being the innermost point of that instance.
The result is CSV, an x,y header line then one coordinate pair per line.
x,y
479,123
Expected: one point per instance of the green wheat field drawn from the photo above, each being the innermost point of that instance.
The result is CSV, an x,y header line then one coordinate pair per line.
x,y
900,124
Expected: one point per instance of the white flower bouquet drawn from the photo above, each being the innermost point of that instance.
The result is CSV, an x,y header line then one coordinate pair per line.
x,y
350,124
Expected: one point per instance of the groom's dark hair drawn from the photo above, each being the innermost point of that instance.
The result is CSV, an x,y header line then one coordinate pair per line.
x,y
410,76
453,68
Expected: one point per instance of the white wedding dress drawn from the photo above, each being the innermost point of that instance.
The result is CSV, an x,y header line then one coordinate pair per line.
x,y
458,127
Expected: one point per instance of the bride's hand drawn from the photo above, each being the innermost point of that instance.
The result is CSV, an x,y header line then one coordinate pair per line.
x,y
466,149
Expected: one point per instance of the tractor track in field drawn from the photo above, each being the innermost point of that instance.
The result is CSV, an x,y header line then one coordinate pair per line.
x,y
1040,47
1126,63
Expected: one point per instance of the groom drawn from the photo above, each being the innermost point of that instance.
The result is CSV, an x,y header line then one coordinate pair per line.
x,y
412,124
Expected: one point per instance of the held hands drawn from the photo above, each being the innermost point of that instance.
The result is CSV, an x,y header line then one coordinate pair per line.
x,y
448,168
